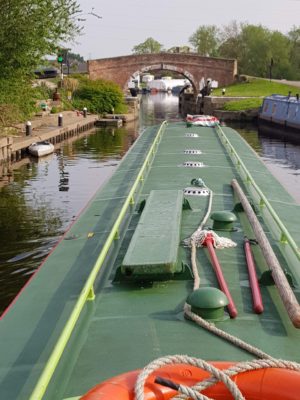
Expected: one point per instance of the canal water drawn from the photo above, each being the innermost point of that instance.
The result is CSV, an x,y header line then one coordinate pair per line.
x,y
39,199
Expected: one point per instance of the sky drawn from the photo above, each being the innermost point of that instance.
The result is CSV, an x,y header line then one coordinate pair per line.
x,y
127,23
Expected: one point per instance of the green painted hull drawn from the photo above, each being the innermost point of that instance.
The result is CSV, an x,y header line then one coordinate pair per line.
x,y
129,323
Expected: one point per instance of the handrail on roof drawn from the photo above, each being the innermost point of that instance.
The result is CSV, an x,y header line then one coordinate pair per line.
x,y
263,200
60,345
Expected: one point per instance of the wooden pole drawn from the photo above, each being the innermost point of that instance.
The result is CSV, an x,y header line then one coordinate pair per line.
x,y
287,295
219,274
255,289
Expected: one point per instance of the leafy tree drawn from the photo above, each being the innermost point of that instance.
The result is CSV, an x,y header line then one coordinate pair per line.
x,y
294,37
279,52
148,46
230,38
254,55
31,29
75,57
206,40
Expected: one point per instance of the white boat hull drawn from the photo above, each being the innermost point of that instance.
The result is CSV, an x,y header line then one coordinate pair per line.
x,y
40,149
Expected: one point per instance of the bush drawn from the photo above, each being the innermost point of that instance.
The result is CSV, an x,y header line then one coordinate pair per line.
x,y
98,96
17,100
54,110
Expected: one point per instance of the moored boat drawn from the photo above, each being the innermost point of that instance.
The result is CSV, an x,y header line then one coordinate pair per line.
x,y
138,276
281,110
40,149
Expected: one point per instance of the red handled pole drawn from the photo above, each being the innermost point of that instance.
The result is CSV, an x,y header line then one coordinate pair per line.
x,y
255,289
218,271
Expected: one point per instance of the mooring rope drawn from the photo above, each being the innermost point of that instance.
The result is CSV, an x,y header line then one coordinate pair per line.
x,y
196,240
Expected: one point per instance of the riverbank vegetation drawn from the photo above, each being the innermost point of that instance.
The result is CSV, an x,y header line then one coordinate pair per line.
x,y
30,31
98,96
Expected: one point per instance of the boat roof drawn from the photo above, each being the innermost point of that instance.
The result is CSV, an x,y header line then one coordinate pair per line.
x,y
282,98
115,325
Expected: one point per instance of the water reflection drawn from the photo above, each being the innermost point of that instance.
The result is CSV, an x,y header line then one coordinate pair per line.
x,y
44,195
280,151
158,107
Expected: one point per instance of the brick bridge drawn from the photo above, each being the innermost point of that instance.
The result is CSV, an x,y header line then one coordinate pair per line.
x,y
190,65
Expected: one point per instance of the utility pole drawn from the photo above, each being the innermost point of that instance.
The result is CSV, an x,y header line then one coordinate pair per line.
x,y
270,67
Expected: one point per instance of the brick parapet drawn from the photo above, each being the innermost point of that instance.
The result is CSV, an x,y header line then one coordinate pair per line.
x,y
191,65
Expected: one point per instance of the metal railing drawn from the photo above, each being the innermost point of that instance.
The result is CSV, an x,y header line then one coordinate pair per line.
x,y
285,238
88,291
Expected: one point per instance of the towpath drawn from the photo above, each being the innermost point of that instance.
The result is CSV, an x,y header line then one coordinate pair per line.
x,y
46,127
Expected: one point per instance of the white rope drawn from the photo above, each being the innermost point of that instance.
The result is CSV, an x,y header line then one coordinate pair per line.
x,y
217,375
244,367
197,238
189,392
224,335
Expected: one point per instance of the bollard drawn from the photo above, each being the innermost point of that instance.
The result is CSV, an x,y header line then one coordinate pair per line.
x,y
60,120
223,91
84,112
28,128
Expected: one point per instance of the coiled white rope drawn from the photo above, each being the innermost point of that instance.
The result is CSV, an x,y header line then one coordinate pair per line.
x,y
198,237
217,375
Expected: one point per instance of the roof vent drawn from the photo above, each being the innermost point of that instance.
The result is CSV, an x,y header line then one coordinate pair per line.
x,y
192,164
191,191
192,151
191,135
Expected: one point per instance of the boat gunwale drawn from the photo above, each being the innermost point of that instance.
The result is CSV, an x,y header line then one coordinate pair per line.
x,y
285,237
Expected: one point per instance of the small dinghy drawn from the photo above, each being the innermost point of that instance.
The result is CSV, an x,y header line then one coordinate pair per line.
x,y
40,149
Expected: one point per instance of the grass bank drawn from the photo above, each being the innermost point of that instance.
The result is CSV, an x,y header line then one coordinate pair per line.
x,y
253,87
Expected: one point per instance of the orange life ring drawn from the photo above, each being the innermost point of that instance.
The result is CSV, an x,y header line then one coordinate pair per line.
x,y
262,384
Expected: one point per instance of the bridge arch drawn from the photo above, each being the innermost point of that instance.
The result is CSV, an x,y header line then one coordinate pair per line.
x,y
164,67
191,65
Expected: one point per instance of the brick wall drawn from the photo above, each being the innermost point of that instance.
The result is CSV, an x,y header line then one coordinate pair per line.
x,y
189,65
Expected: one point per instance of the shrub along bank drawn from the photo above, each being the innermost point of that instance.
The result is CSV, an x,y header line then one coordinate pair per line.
x,y
20,99
98,96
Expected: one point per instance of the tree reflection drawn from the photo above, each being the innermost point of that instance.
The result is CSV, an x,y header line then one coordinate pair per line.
x,y
28,230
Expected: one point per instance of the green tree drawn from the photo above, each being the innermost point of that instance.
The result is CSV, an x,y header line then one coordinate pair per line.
x,y
206,40
254,54
75,57
294,37
31,29
279,52
230,40
256,48
148,46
